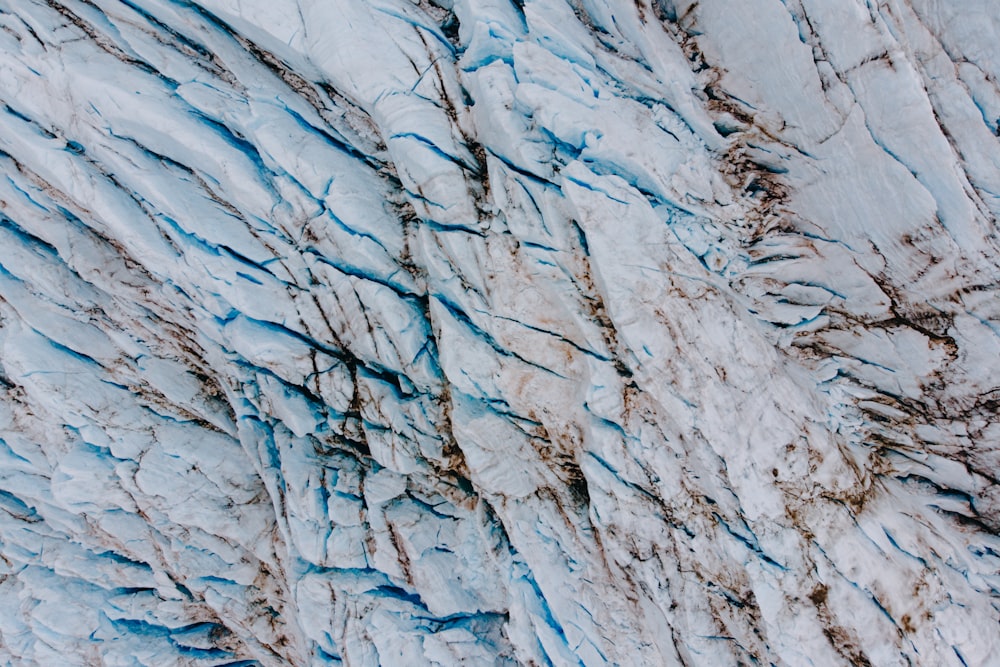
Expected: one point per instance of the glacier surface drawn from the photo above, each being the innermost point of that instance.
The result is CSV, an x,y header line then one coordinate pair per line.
x,y
487,332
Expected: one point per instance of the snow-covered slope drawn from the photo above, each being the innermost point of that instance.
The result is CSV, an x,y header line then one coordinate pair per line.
x,y
479,332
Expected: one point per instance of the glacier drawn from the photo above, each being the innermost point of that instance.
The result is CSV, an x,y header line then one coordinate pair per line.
x,y
499,332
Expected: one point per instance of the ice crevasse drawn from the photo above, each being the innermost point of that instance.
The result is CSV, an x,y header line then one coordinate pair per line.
x,y
499,332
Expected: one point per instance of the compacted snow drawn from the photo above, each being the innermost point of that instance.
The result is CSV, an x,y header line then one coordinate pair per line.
x,y
485,332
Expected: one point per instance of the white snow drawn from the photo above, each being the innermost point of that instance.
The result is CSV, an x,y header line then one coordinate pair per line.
x,y
484,332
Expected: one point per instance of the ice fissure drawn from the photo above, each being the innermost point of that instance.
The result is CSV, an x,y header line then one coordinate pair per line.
x,y
484,332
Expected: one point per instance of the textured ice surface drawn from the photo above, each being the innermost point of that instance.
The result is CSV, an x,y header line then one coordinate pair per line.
x,y
480,332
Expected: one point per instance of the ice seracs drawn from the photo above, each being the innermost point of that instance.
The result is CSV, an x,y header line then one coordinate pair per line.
x,y
488,332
